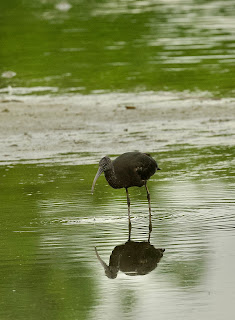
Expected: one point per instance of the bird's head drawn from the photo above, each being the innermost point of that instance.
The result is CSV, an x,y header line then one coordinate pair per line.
x,y
110,272
105,164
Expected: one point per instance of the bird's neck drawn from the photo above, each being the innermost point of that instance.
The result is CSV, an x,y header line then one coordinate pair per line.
x,y
111,177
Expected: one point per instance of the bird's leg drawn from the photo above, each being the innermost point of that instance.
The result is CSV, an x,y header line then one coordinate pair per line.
x,y
150,230
129,234
150,213
129,211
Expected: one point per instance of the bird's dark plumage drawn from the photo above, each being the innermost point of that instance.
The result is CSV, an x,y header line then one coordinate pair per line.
x,y
131,169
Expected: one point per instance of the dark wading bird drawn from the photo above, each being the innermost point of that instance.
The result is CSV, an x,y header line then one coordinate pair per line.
x,y
131,169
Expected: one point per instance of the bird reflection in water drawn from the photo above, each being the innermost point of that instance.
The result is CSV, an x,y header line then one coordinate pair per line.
x,y
133,258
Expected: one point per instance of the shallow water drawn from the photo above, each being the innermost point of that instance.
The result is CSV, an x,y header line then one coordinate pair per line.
x,y
50,224
85,46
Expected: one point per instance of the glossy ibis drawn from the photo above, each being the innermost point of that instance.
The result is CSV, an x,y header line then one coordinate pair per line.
x,y
128,170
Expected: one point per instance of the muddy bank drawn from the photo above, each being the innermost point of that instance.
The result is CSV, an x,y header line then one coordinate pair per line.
x,y
79,129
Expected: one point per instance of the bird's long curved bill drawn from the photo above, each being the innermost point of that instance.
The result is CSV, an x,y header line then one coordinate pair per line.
x,y
104,265
100,170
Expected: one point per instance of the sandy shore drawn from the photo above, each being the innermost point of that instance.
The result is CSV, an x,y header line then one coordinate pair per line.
x,y
79,129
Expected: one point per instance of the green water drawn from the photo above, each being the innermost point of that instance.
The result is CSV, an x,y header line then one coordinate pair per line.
x,y
118,45
50,224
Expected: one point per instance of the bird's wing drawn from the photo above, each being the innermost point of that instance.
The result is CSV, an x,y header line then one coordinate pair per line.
x,y
145,169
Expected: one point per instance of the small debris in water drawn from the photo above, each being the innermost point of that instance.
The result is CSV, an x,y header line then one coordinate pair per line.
x,y
130,107
26,134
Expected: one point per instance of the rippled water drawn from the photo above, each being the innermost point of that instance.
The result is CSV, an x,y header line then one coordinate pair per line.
x,y
51,224
76,46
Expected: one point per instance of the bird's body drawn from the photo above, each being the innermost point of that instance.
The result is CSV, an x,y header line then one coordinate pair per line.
x,y
131,169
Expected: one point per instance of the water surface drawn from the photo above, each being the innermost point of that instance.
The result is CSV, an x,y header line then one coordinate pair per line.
x,y
50,224
50,147
85,46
